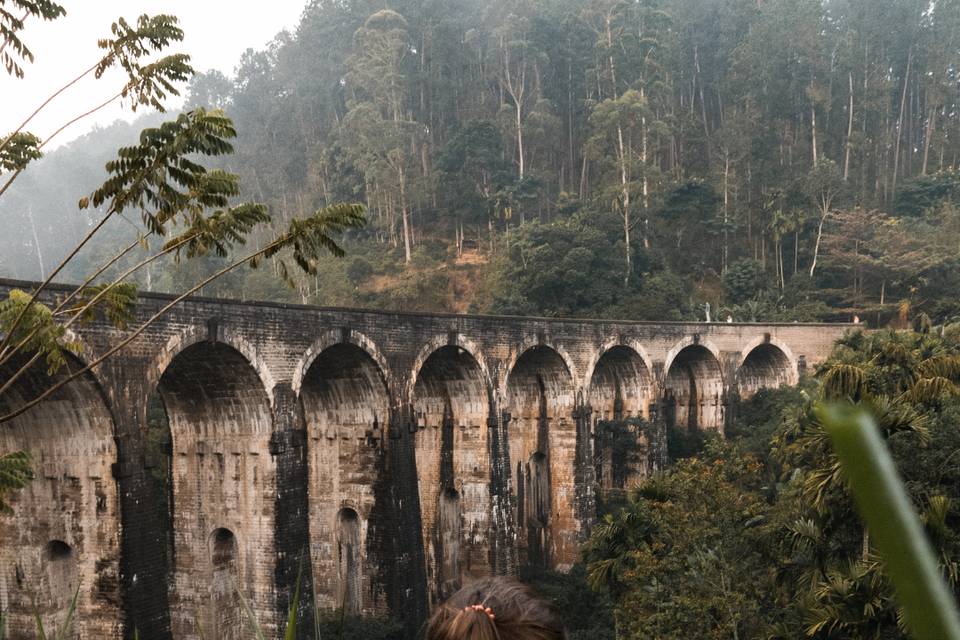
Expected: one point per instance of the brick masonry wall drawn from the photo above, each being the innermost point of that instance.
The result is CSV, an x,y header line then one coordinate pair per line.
x,y
287,420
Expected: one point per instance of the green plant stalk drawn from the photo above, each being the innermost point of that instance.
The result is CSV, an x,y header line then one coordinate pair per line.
x,y
251,616
291,631
67,625
894,527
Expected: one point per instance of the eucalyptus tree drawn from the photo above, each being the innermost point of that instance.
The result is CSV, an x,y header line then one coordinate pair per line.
x,y
517,67
618,123
380,134
824,186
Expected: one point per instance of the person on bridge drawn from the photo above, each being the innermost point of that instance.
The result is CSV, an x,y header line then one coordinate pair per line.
x,y
495,609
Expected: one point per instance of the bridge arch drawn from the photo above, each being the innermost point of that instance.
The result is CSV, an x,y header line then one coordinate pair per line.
x,y
438,342
625,366
542,434
451,403
339,336
195,334
65,524
345,400
693,385
621,387
765,362
212,406
86,353
528,344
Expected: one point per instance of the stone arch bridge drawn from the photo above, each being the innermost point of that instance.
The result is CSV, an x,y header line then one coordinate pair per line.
x,y
383,458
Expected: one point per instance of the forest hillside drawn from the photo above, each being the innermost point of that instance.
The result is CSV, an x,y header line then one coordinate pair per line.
x,y
779,160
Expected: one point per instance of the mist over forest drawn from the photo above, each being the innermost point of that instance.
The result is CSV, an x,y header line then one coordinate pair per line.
x,y
779,160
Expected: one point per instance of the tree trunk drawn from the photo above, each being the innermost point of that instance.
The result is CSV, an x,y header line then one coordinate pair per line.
x,y
36,243
813,132
931,126
519,136
625,186
570,159
846,153
816,246
896,147
645,185
796,252
583,177
406,216
726,211
783,276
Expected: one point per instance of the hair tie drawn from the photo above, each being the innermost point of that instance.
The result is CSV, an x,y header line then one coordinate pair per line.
x,y
481,609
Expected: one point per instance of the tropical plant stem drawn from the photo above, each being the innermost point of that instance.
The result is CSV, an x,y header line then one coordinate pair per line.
x,y
8,353
53,135
36,293
78,313
7,140
133,336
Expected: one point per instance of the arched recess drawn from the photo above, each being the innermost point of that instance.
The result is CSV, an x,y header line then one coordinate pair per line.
x,y
223,477
765,366
621,387
63,531
226,610
693,389
346,408
451,402
542,442
349,562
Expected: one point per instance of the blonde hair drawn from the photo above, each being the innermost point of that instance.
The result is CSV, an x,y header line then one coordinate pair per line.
x,y
494,609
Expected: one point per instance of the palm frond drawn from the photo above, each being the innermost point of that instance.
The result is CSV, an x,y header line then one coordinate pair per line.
x,y
941,366
843,381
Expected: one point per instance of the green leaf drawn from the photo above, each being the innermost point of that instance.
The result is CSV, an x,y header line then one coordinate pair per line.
x,y
19,150
160,176
218,232
38,330
310,238
15,473
116,303
66,628
251,617
12,22
895,529
291,631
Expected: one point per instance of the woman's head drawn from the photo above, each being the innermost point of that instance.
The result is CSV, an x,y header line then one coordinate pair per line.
x,y
494,609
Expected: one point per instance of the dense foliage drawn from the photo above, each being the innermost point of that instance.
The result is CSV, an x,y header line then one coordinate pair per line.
x,y
757,537
786,159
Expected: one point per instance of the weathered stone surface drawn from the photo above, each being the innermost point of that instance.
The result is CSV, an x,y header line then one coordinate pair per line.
x,y
384,458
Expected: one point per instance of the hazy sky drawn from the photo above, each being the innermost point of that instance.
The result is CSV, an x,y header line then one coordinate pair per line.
x,y
217,33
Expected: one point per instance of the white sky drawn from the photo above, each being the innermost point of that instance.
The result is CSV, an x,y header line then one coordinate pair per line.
x,y
217,32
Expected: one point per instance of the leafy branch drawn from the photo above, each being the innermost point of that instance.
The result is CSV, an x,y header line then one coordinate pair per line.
x,y
305,239
158,177
10,24
148,83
